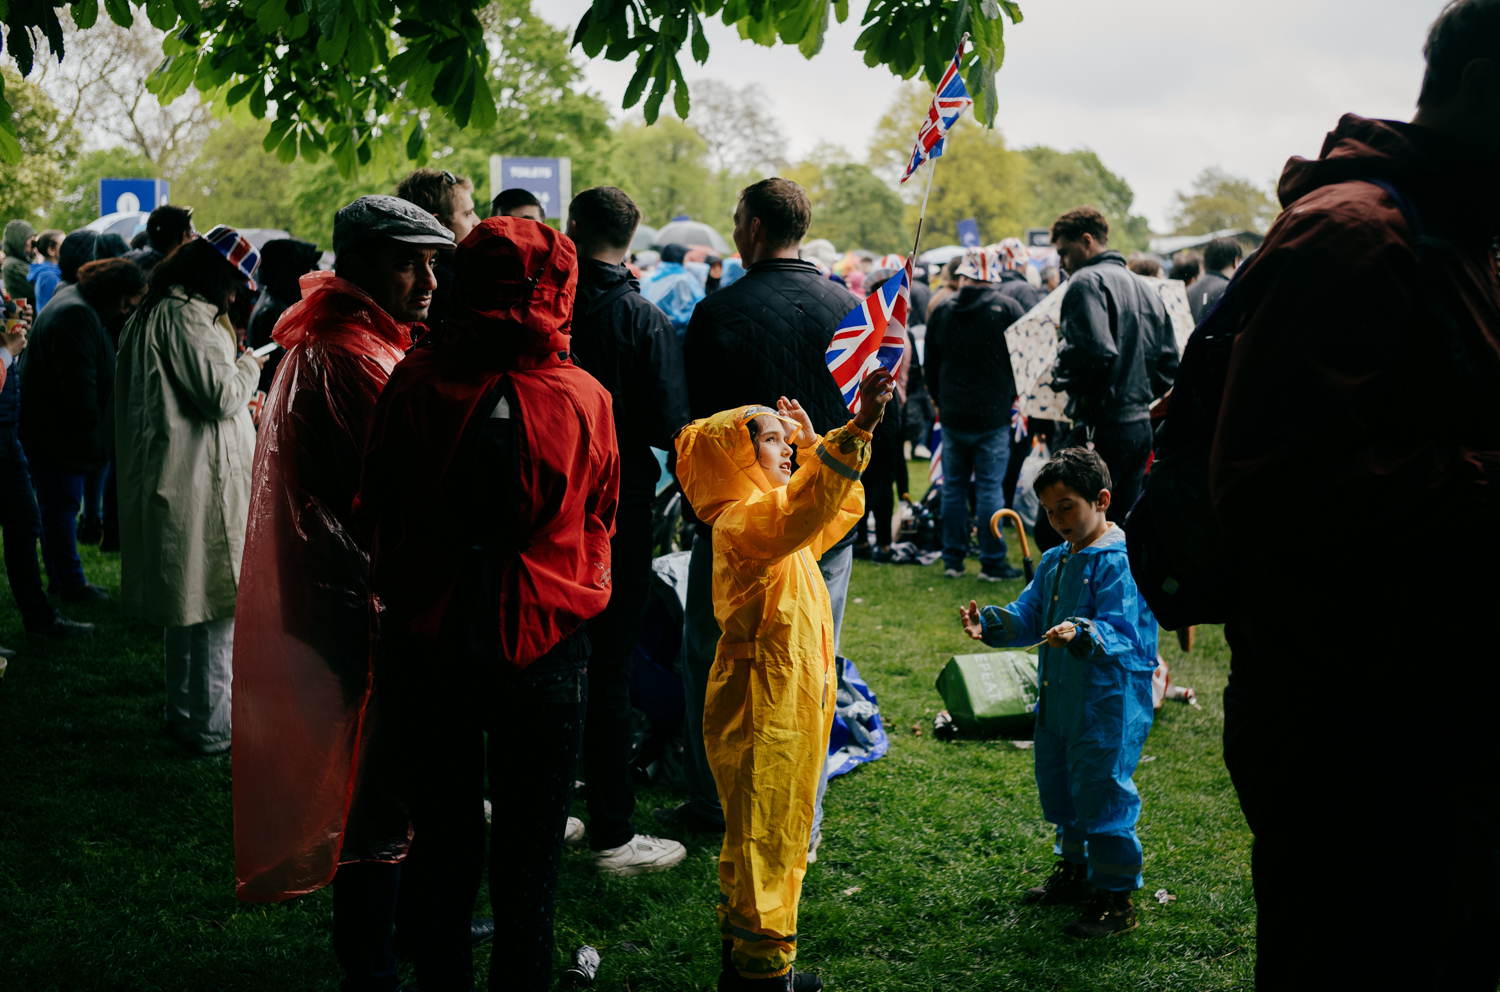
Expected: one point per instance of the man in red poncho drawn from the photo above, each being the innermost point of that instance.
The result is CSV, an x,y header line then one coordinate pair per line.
x,y
313,797
490,485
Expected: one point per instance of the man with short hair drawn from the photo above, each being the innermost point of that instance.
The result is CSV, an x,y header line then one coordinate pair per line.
x,y
517,203
763,337
167,229
1220,258
1374,288
1116,353
969,376
629,346
450,199
1051,278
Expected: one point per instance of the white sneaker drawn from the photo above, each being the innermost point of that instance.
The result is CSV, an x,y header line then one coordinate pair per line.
x,y
812,852
573,836
953,573
642,854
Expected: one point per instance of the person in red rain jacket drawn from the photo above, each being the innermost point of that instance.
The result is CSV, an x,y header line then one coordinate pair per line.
x,y
489,486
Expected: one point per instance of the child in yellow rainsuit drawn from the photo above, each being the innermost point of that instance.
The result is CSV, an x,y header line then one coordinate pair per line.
x,y
769,704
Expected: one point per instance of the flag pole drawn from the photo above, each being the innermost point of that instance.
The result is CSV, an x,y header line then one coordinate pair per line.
x,y
931,168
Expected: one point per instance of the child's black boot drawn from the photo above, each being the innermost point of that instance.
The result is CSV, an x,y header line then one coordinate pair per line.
x,y
1106,914
732,981
1068,884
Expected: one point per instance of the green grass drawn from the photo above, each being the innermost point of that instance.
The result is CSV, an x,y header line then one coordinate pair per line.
x,y
116,850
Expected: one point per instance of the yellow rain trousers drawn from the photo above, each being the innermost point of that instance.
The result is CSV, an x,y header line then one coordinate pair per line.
x,y
768,709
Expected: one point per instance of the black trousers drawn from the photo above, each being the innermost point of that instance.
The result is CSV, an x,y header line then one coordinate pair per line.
x,y
884,476
364,916
442,701
1125,449
613,635
21,520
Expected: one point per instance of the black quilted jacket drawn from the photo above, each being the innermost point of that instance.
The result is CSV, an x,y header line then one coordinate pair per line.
x,y
764,337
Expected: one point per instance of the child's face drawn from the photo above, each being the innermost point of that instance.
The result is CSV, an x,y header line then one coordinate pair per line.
x,y
772,450
1075,518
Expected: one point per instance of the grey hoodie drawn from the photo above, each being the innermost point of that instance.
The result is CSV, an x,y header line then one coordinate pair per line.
x,y
17,233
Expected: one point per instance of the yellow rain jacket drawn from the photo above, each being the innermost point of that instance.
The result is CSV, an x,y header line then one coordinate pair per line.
x,y
769,705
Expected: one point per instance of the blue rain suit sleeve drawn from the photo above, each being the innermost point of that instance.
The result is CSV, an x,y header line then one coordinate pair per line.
x,y
1020,622
1122,627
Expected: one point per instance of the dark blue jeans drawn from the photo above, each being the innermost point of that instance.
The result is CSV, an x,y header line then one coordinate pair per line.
x,y
22,522
984,455
60,496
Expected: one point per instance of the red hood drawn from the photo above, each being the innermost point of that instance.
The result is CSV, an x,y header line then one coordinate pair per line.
x,y
513,284
1446,178
329,302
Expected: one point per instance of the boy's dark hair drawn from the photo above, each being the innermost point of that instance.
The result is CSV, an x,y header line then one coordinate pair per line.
x,y
1079,221
1187,266
199,268
607,214
142,239
1143,265
47,241
514,199
106,282
1465,30
166,226
1221,252
782,207
1078,469
433,190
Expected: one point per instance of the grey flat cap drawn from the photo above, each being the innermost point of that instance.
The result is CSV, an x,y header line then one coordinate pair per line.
x,y
387,217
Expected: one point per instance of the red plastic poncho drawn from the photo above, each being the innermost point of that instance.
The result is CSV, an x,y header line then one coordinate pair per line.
x,y
306,794
514,281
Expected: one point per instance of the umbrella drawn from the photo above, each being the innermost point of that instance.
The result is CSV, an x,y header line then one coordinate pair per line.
x,y
692,232
644,238
1033,346
941,256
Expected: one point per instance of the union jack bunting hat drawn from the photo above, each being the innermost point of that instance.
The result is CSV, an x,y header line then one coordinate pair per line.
x,y
982,264
1012,254
236,249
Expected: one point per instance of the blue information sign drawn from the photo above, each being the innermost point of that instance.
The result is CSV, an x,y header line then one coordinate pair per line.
x,y
968,233
550,180
126,195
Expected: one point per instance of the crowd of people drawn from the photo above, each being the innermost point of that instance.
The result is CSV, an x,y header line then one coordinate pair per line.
x,y
395,522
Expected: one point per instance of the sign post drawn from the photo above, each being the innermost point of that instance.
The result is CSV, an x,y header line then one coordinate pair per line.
x,y
550,180
130,195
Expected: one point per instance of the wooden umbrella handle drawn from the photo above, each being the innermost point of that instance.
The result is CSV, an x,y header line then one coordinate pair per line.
x,y
1020,529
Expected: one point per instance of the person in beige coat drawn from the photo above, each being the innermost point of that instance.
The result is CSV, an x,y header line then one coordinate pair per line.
x,y
185,444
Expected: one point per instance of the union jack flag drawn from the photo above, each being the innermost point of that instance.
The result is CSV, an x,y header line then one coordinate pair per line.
x,y
951,100
873,334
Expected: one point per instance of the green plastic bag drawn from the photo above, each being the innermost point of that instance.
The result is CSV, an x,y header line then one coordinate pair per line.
x,y
992,694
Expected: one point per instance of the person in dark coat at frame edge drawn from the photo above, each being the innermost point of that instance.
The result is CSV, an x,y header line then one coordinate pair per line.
x,y
763,337
283,261
1116,354
1363,397
631,348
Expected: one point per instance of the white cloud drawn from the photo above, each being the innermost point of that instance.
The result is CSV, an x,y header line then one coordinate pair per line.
x,y
1196,83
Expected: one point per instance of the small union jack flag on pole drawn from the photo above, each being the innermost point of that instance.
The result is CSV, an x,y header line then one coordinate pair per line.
x,y
948,103
873,334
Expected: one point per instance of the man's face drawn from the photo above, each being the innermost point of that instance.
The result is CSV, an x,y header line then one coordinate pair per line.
x,y
399,277
464,218
530,211
1074,254
744,238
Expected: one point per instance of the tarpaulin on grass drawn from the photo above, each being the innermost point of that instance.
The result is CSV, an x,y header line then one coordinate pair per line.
x,y
858,735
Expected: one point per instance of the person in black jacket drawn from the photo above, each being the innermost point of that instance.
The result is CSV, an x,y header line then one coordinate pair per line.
x,y
283,262
168,228
759,339
629,346
1116,353
67,407
1220,258
973,387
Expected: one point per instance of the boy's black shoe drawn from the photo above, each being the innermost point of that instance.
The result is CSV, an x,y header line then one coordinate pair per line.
x,y
883,555
86,593
862,549
1106,914
732,981
90,530
1068,884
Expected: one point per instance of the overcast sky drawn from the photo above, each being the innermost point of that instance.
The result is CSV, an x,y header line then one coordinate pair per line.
x,y
1198,83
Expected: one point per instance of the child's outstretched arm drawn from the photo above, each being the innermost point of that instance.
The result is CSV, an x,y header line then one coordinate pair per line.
x,y
999,627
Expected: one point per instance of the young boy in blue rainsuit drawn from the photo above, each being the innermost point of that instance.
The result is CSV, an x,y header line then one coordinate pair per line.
x,y
1094,708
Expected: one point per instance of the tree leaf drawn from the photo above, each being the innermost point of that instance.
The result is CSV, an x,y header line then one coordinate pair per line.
x,y
119,12
682,102
286,152
239,91
483,115
85,13
643,66
414,143
161,14
700,42
278,131
328,16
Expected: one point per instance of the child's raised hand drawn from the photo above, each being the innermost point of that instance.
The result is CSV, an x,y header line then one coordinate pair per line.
x,y
792,410
973,626
875,391
1059,636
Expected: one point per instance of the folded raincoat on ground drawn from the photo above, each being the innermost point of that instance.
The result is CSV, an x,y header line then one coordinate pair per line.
x,y
771,692
1095,706
309,792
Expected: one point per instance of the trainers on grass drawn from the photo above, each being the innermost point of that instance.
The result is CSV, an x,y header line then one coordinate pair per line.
x,y
642,854
953,573
1106,914
573,836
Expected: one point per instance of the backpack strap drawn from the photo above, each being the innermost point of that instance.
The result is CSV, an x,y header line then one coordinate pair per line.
x,y
1408,209
609,297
